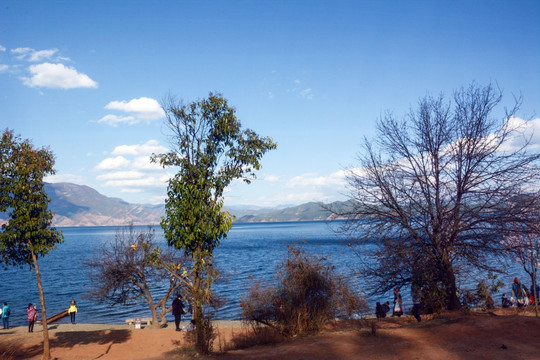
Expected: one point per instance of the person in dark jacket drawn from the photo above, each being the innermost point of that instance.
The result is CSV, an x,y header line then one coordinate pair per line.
x,y
416,299
505,302
382,309
178,311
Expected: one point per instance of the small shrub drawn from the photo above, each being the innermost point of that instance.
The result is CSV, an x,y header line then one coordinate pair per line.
x,y
308,294
481,297
255,336
206,334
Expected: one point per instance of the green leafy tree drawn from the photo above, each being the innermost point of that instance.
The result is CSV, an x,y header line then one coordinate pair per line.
x,y
27,235
210,150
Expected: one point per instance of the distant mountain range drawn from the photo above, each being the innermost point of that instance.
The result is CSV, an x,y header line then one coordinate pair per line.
x,y
80,205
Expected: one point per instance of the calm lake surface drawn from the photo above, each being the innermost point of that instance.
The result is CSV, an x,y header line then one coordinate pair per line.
x,y
250,249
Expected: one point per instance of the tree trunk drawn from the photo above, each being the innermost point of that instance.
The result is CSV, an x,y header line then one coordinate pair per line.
x,y
449,281
46,344
153,308
163,312
196,308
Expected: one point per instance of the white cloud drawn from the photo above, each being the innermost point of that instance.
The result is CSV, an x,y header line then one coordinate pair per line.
x,y
142,108
115,163
144,163
147,181
60,178
121,175
57,76
525,131
306,94
148,148
114,120
29,54
4,68
130,170
336,179
2,48
270,178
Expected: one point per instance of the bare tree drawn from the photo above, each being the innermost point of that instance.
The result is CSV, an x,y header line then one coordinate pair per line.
x,y
433,188
130,267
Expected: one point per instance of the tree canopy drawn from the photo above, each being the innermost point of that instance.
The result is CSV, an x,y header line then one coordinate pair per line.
x,y
210,150
23,197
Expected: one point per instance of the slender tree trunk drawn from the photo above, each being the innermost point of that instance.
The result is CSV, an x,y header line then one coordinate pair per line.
x,y
535,290
46,344
196,307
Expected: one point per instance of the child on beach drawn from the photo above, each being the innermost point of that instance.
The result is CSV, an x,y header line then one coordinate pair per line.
x,y
72,310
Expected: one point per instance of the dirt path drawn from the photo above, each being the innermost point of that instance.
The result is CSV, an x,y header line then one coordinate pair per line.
x,y
450,337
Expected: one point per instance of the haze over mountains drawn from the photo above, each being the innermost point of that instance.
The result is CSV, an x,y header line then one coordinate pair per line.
x,y
80,205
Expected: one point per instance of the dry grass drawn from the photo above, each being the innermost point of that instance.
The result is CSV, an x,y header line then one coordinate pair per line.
x,y
254,337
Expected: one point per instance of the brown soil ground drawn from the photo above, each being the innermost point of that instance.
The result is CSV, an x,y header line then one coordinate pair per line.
x,y
481,335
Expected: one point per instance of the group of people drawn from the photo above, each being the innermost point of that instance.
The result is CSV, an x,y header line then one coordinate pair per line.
x,y
397,309
520,295
5,313
32,314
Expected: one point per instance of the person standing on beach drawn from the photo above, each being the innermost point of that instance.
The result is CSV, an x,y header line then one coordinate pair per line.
x,y
6,311
72,310
178,311
398,309
32,316
415,295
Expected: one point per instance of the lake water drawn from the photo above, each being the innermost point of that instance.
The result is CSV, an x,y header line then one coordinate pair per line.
x,y
250,249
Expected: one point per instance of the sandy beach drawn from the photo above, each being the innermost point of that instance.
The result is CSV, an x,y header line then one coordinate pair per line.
x,y
482,335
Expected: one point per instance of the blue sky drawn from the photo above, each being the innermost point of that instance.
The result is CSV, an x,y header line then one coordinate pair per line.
x,y
86,77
